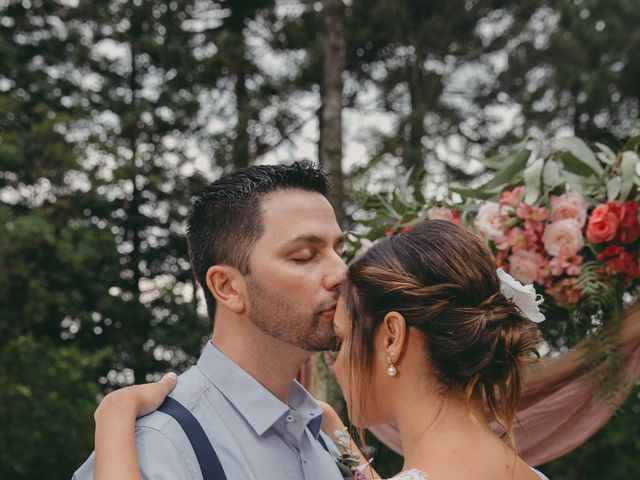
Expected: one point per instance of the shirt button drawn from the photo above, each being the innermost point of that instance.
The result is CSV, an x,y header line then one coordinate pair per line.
x,y
290,418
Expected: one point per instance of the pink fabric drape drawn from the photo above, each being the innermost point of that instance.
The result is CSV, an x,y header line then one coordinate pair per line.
x,y
556,415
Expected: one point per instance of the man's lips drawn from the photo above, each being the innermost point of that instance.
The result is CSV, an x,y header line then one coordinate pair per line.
x,y
331,310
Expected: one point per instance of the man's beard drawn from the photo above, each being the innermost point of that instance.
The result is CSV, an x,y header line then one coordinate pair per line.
x,y
279,317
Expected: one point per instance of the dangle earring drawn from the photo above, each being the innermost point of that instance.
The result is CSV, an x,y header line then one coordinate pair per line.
x,y
392,370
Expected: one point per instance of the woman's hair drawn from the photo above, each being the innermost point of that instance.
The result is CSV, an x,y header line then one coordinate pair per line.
x,y
442,279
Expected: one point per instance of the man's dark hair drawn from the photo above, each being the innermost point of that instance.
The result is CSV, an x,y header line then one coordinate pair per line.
x,y
225,220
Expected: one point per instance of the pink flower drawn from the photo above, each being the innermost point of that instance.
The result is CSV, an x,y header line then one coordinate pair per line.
x,y
501,259
570,265
572,292
508,216
525,265
443,213
565,292
535,214
603,223
517,238
513,197
569,206
533,227
563,237
532,216
488,222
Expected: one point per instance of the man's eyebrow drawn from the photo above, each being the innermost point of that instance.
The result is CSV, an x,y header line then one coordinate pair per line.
x,y
338,242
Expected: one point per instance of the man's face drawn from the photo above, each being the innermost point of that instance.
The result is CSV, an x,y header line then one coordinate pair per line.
x,y
296,269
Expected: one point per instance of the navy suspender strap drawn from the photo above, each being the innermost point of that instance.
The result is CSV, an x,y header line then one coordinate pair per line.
x,y
322,442
207,459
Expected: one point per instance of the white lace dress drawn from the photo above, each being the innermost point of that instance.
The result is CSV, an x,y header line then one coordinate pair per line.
x,y
415,474
412,474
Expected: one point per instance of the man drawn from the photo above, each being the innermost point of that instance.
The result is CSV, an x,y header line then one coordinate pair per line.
x,y
265,247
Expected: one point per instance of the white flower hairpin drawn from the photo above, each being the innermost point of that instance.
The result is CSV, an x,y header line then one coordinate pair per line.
x,y
522,296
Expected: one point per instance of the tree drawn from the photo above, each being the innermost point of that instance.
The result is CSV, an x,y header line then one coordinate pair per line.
x,y
56,340
46,402
95,115
573,68
333,66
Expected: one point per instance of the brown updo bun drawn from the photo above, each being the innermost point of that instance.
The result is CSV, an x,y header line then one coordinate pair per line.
x,y
442,279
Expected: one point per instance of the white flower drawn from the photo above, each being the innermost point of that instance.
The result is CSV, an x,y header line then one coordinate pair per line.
x,y
522,296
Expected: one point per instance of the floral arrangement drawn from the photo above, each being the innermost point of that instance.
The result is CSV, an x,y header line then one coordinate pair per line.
x,y
559,216
349,463
548,245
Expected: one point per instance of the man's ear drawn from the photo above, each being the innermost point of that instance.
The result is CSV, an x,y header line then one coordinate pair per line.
x,y
228,286
393,334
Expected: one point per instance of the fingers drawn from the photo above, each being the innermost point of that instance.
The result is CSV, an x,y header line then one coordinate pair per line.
x,y
153,394
168,382
137,400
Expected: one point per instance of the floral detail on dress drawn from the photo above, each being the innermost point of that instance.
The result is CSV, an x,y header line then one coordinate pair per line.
x,y
412,474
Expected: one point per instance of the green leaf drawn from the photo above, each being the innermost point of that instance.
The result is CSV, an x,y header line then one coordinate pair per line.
x,y
605,155
551,174
632,142
510,172
578,158
475,193
573,165
495,162
589,186
502,159
627,172
468,209
389,207
613,188
533,181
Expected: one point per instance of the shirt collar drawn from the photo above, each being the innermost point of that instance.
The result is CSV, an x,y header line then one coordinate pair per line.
x,y
303,403
259,407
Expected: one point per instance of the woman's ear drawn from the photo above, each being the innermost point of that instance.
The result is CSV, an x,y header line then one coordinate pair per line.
x,y
394,335
228,286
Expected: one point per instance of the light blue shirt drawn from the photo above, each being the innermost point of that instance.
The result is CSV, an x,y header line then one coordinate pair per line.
x,y
256,436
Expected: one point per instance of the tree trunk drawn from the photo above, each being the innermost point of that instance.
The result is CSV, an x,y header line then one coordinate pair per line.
x,y
241,142
413,155
132,221
330,155
330,142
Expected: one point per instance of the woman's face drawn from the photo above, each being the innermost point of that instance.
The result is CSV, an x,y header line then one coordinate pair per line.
x,y
361,414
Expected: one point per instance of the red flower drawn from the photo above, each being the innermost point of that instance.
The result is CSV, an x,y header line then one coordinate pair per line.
x,y
629,225
395,230
603,223
620,262
613,250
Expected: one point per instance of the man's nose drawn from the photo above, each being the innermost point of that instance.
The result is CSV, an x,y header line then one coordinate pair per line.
x,y
335,272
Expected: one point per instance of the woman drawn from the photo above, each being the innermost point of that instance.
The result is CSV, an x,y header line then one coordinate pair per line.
x,y
429,343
